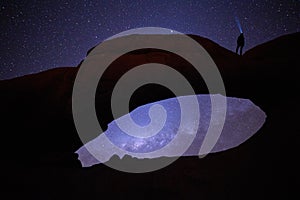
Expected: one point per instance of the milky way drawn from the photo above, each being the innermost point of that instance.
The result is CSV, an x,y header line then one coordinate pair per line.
x,y
39,35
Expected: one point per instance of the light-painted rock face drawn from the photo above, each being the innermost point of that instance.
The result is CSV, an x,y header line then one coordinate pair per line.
x,y
243,119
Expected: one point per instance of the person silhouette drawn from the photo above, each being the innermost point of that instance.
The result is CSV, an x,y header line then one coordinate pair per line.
x,y
240,44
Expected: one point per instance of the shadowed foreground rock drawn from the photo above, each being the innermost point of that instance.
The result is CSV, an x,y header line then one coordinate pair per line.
x,y
38,136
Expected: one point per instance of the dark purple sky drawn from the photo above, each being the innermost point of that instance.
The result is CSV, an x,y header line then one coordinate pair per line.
x,y
38,35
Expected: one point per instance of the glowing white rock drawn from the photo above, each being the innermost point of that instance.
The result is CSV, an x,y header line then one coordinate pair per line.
x,y
243,119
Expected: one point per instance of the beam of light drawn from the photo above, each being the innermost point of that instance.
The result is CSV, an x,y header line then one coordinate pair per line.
x,y
238,24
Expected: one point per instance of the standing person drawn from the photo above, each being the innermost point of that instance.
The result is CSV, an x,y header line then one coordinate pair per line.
x,y
240,43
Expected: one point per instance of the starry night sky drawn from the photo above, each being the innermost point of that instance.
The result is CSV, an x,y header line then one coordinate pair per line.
x,y
38,35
